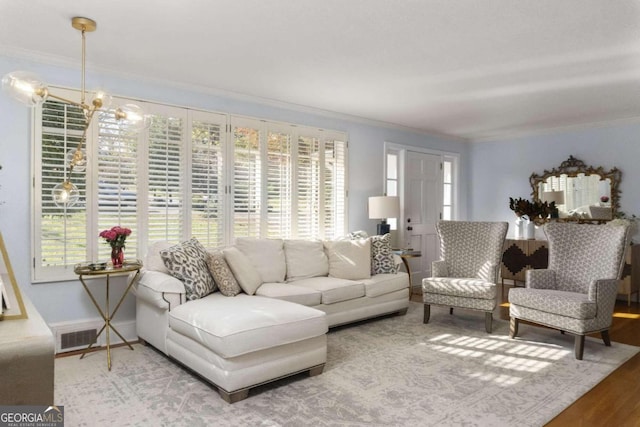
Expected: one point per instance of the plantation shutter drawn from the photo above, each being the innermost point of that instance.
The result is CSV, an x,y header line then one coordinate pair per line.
x,y
208,168
334,197
62,230
279,184
308,188
166,171
247,179
117,193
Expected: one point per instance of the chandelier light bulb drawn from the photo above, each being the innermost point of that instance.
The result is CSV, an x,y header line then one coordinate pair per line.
x,y
102,99
76,159
65,194
26,87
131,117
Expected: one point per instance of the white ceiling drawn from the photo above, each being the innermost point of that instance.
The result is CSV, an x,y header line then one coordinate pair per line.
x,y
465,68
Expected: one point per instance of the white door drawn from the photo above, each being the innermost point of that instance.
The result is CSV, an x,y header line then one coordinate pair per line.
x,y
422,208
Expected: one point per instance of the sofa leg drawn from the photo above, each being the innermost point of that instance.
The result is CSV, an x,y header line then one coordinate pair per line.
x,y
403,312
234,396
606,338
316,370
579,346
450,310
427,313
488,320
513,327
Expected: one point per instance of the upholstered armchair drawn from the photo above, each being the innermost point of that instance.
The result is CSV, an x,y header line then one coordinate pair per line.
x,y
467,273
577,292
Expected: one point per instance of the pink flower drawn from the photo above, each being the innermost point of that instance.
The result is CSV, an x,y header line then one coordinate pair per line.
x,y
116,236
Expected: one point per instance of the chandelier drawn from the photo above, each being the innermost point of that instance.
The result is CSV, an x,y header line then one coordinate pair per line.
x,y
30,90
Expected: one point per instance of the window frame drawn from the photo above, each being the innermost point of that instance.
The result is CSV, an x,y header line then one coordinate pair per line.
x,y
43,274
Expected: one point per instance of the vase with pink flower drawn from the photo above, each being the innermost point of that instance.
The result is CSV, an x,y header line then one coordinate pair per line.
x,y
116,237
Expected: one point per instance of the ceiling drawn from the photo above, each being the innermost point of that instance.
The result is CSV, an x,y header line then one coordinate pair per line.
x,y
475,70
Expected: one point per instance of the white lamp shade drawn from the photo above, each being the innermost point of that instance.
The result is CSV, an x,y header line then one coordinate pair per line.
x,y
382,207
553,196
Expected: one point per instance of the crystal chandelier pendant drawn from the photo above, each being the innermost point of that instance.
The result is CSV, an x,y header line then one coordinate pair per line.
x,y
65,194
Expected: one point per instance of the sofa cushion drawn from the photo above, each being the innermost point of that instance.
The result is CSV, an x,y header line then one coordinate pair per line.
x,y
385,283
349,259
222,274
305,258
571,304
245,273
290,292
266,255
460,287
187,262
153,260
232,327
333,289
381,256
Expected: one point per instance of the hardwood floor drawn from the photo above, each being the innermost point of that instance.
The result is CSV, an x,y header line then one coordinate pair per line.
x,y
616,400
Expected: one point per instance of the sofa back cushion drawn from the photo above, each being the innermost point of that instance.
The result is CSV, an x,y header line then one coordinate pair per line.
x,y
305,259
245,273
349,259
153,260
266,255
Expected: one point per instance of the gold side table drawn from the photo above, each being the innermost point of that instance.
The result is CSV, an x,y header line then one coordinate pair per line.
x,y
405,254
87,269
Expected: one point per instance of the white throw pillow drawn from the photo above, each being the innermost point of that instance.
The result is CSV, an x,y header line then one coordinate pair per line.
x,y
305,259
349,259
153,260
247,276
266,255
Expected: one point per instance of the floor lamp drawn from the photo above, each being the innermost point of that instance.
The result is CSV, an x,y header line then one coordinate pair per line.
x,y
383,207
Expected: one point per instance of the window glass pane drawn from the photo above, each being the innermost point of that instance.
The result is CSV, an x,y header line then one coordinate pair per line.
x,y
246,182
392,188
334,189
63,232
446,213
117,181
392,166
447,195
166,187
447,166
308,175
207,183
279,185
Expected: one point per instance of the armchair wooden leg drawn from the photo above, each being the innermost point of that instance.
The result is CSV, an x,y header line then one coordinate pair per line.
x,y
579,346
450,310
606,338
427,313
513,327
488,320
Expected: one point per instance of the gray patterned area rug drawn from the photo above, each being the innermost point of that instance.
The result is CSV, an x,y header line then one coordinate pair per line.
x,y
393,371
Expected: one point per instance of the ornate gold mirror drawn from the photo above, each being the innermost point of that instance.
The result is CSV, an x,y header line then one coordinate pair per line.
x,y
581,192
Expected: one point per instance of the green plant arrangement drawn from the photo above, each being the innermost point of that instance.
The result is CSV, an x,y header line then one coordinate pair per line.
x,y
538,212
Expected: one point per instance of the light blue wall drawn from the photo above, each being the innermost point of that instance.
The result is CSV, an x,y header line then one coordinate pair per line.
x,y
501,169
66,301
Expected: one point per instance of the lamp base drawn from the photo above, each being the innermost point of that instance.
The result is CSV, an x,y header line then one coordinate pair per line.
x,y
383,228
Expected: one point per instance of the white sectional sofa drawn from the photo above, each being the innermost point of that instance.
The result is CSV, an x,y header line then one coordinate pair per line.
x,y
283,295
